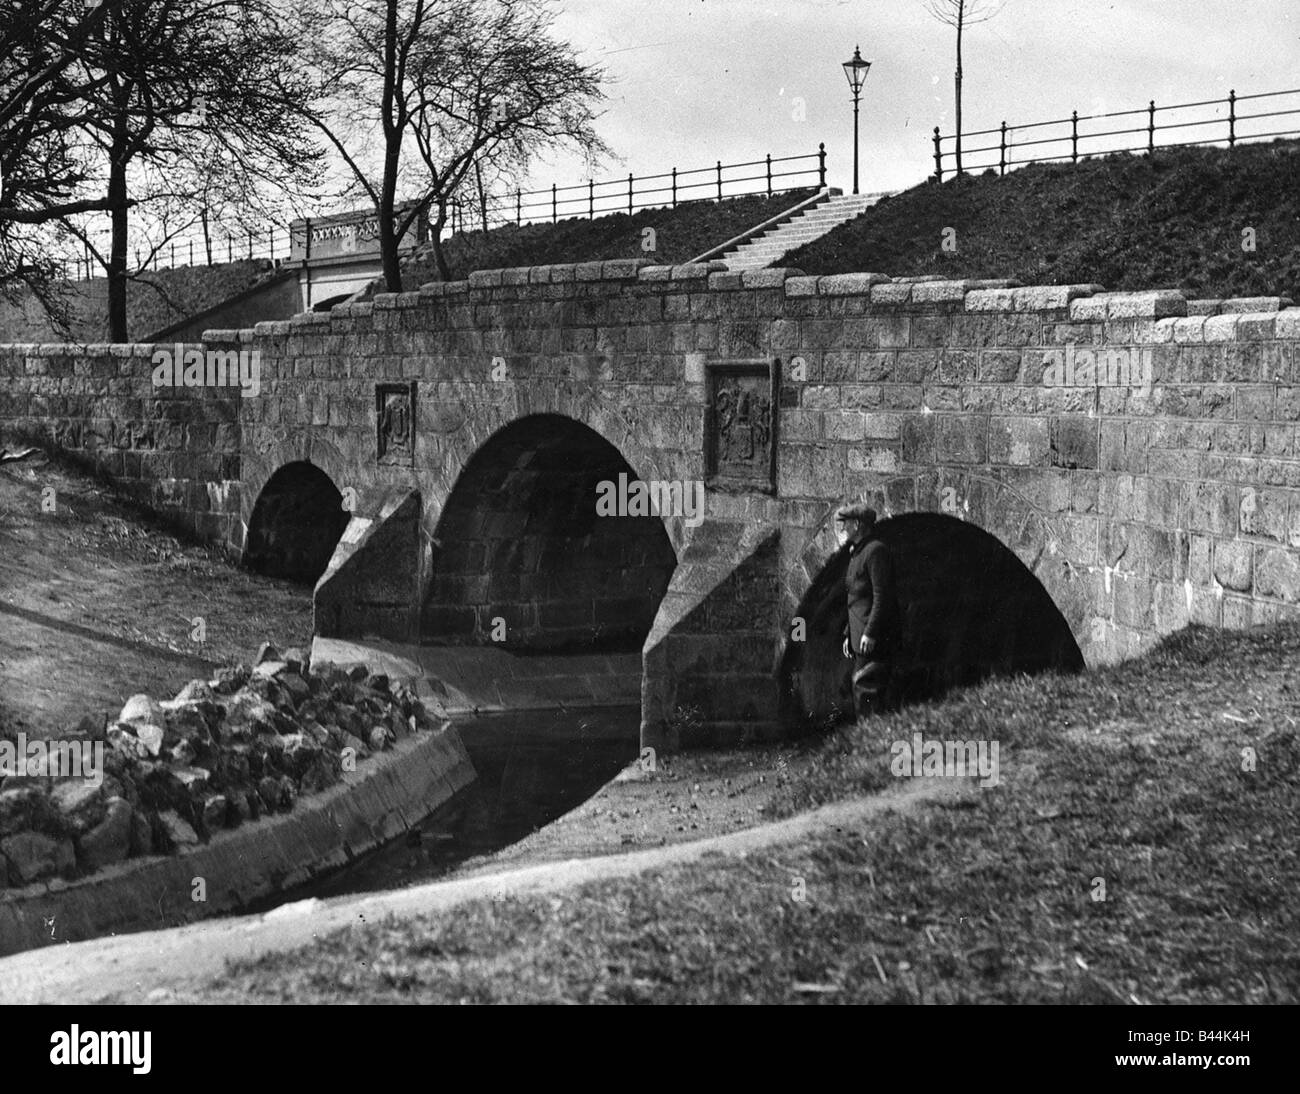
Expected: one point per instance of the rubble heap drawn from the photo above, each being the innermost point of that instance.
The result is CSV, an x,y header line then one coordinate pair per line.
x,y
223,752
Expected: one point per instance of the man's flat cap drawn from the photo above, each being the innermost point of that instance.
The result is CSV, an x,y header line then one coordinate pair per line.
x,y
857,511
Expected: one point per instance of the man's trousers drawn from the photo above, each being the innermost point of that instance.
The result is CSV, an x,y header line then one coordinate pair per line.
x,y
870,684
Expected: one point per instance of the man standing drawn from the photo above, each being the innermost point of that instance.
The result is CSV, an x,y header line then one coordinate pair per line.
x,y
872,635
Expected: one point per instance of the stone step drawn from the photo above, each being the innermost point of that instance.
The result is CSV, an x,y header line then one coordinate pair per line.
x,y
806,227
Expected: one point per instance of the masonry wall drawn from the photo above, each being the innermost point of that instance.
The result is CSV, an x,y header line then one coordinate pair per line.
x,y
1138,506
175,449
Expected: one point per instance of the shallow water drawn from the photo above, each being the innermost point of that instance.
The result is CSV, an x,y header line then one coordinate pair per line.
x,y
533,767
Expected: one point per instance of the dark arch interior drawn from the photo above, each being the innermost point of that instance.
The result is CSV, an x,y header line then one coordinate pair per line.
x,y
971,609
296,524
520,541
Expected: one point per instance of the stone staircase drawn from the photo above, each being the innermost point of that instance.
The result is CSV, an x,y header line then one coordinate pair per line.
x,y
811,223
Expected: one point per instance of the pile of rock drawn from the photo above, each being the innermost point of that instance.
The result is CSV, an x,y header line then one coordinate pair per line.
x,y
224,752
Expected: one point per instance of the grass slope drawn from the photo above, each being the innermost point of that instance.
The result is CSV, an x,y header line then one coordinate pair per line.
x,y
1126,222
1132,774
679,235
155,300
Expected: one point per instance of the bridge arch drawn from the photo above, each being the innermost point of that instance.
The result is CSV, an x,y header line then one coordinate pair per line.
x,y
520,555
295,524
979,596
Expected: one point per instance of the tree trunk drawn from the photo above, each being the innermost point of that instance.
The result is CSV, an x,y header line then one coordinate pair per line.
x,y
435,237
482,195
392,156
117,327
388,236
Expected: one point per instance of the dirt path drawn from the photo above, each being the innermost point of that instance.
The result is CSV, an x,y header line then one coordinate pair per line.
x,y
96,605
162,966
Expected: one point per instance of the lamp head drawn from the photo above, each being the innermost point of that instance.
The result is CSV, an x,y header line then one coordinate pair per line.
x,y
856,70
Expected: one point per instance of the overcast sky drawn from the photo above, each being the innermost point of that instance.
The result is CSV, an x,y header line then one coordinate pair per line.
x,y
694,81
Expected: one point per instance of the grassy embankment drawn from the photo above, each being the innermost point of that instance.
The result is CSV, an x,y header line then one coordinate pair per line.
x,y
1127,222
1132,774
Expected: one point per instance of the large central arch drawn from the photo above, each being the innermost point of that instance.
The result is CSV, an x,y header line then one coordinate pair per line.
x,y
521,557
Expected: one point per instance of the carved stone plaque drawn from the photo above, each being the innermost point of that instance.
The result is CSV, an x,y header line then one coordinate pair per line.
x,y
740,424
395,421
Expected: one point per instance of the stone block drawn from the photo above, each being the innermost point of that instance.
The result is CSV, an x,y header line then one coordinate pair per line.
x,y
962,439
688,271
893,294
1020,442
623,269
991,300
1247,304
1074,443
801,286
1257,326
726,282
1153,304
849,284
1277,574
769,279
1232,564
1221,328
1287,324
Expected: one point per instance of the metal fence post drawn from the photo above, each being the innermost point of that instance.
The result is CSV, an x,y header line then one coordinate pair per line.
x,y
674,187
821,166
519,216
1232,118
554,215
191,252
173,247
938,156
1002,155
629,193
230,247
591,199
1074,137
719,180
250,244
1151,128
769,174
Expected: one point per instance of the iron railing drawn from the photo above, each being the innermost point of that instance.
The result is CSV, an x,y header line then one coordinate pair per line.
x,y
1062,140
770,175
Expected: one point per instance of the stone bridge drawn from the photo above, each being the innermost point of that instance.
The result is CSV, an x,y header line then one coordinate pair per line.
x,y
1067,473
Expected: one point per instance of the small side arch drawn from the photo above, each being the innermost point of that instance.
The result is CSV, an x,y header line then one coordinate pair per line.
x,y
296,523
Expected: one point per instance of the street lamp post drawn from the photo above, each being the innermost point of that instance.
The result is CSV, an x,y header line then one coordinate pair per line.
x,y
856,71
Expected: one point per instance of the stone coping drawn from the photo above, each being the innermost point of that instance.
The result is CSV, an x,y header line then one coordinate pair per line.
x,y
387,794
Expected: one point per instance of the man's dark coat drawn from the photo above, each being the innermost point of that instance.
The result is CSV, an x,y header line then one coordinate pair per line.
x,y
872,598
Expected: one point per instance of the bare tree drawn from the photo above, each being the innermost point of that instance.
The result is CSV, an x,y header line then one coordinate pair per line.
x,y
190,88
960,14
43,166
412,94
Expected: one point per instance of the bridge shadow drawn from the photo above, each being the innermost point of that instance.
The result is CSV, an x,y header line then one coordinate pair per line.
x,y
971,609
